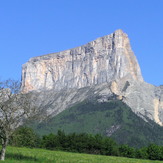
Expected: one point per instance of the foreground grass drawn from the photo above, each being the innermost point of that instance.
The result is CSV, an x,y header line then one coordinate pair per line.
x,y
26,155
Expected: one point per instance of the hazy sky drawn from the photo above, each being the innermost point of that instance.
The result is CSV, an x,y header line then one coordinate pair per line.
x,y
30,28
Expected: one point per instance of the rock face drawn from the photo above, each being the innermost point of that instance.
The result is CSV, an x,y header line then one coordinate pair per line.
x,y
145,99
106,59
105,69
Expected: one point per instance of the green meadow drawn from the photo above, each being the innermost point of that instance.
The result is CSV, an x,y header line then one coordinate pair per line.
x,y
27,155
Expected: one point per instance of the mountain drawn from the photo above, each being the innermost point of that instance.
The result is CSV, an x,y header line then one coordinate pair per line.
x,y
114,119
104,68
106,59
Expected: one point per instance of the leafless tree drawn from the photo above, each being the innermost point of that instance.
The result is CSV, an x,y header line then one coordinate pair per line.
x,y
15,107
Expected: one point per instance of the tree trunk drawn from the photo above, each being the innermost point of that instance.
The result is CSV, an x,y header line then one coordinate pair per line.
x,y
3,151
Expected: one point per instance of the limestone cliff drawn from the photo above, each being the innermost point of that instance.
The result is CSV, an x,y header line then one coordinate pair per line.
x,y
103,69
106,59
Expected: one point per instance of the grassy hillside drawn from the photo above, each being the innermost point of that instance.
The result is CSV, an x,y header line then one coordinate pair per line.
x,y
113,119
24,155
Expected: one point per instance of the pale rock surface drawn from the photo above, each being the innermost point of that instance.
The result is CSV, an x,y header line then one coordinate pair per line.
x,y
103,70
106,59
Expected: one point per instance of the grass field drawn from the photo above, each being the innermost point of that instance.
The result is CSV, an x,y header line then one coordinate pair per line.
x,y
25,155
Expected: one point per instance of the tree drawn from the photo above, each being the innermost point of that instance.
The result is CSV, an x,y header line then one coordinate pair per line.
x,y
127,151
15,107
24,137
154,152
141,153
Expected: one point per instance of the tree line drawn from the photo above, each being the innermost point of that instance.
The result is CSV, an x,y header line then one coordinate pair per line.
x,y
83,143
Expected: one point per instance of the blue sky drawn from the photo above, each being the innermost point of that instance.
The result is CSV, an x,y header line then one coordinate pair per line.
x,y
30,28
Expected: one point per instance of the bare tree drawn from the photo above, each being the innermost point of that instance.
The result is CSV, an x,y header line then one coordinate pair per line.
x,y
14,109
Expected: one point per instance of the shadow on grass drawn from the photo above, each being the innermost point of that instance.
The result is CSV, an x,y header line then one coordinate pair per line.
x,y
20,157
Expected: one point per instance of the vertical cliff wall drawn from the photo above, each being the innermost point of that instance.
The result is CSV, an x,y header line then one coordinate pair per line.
x,y
105,68
106,59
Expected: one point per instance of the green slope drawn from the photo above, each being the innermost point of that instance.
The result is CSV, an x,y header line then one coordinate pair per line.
x,y
113,119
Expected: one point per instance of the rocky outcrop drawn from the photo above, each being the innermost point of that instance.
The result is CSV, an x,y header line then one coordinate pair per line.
x,y
103,69
106,59
144,99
